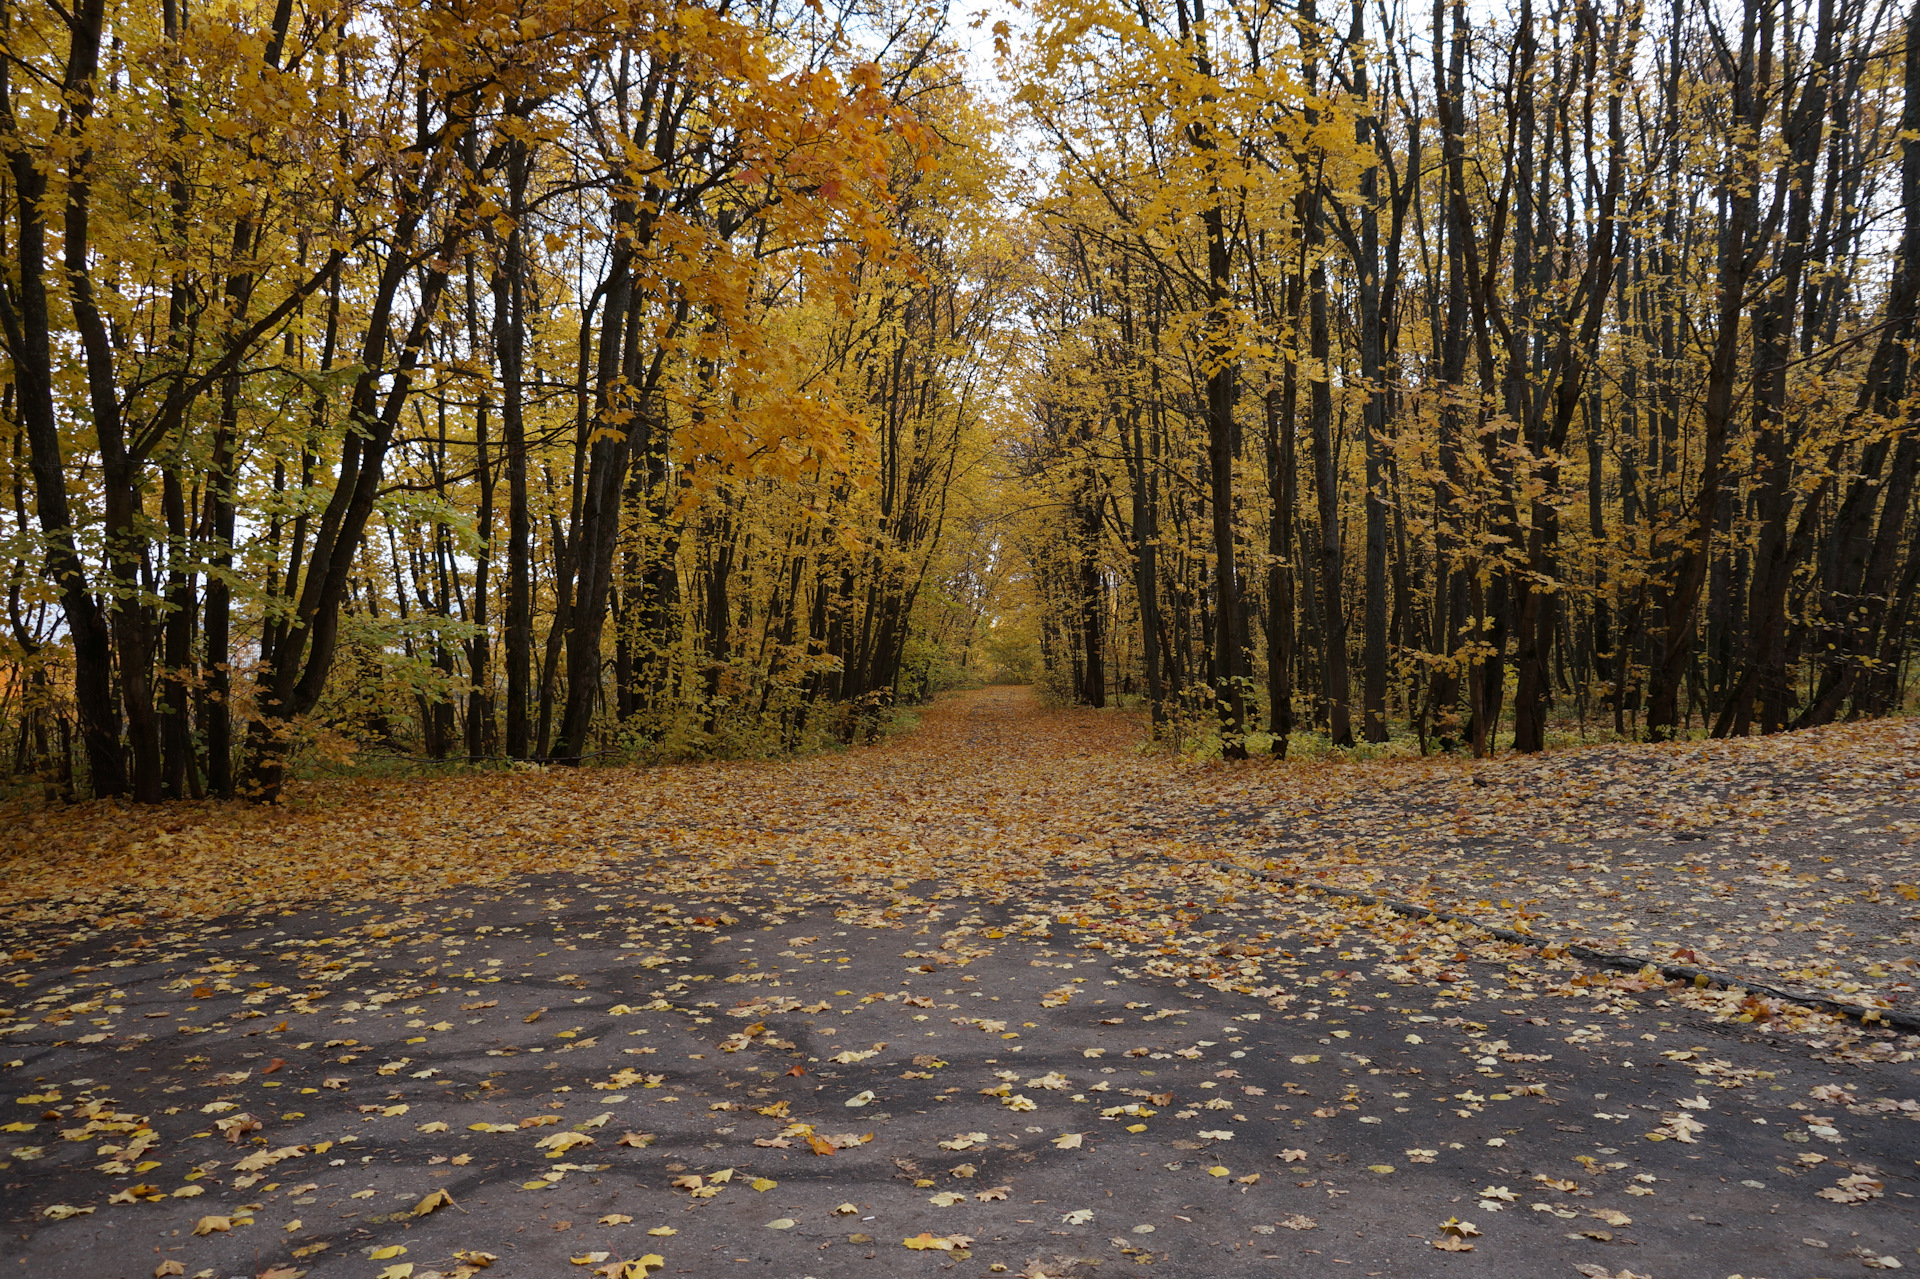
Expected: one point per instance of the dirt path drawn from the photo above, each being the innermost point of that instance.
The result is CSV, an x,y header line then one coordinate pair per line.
x,y
1002,996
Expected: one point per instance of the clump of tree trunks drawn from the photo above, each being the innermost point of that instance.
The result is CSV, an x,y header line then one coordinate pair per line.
x,y
1456,373
483,380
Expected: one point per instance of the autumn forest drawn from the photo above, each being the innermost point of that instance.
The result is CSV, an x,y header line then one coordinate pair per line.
x,y
486,381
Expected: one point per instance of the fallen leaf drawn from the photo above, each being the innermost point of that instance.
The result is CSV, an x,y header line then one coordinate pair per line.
x,y
431,1200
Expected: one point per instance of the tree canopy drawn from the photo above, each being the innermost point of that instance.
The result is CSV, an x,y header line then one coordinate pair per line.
x,y
552,380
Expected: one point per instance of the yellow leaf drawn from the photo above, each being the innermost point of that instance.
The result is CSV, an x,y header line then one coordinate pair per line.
x,y
763,1184
209,1225
431,1200
399,1270
616,1219
590,1259
388,1253
663,1231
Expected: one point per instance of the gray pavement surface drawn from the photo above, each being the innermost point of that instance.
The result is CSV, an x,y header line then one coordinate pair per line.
x,y
1207,1132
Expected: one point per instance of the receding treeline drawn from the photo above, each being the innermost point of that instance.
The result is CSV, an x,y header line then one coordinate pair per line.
x,y
1464,372
479,378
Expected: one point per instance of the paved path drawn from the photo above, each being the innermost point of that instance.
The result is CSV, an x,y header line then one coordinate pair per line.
x,y
983,990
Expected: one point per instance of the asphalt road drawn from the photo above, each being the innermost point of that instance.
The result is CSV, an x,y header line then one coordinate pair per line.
x,y
1012,1099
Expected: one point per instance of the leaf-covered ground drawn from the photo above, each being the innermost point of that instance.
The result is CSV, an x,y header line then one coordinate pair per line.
x,y
1005,995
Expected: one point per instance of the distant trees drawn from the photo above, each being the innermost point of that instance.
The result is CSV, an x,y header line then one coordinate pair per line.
x,y
1559,361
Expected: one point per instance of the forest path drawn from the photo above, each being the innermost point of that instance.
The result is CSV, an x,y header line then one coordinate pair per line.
x,y
1004,994
1791,859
